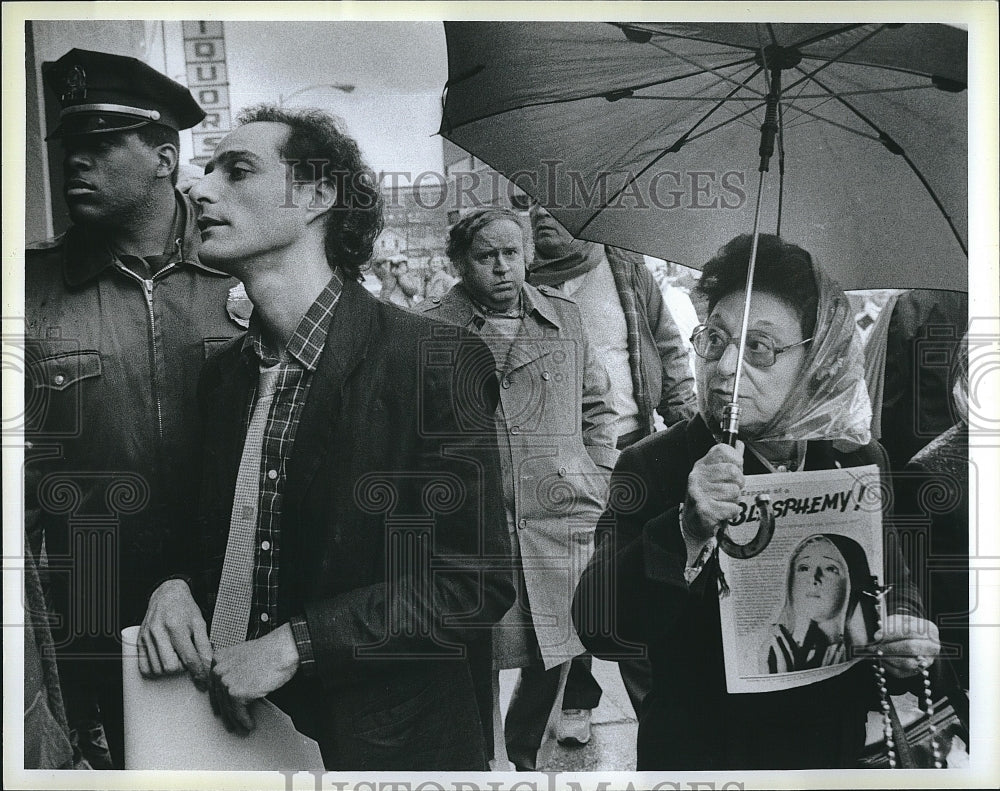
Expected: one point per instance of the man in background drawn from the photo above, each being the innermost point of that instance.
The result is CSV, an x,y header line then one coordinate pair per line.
x,y
556,428
438,280
120,316
923,340
637,340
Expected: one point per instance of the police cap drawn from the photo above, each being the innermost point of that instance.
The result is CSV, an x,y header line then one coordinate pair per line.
x,y
100,92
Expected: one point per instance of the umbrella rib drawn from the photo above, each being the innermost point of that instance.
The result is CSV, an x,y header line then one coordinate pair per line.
x,y
882,67
796,120
722,124
835,59
696,73
674,148
771,33
602,95
895,148
837,124
866,92
799,44
811,112
823,36
665,34
709,70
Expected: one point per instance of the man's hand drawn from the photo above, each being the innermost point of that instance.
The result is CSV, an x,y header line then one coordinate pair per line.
x,y
906,641
713,491
248,671
173,637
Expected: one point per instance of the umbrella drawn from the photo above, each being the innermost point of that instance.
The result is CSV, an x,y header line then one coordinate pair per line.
x,y
645,136
594,119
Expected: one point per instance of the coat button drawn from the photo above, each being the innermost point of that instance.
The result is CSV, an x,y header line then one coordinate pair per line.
x,y
59,379
264,617
435,300
522,523
515,430
545,375
505,382
562,472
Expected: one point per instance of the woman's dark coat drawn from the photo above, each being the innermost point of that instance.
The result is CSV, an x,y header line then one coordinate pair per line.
x,y
633,595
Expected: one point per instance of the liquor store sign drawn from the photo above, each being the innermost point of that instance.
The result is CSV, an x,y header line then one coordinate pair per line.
x,y
208,79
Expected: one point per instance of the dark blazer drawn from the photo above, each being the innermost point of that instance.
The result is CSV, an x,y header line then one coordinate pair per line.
x,y
393,541
633,596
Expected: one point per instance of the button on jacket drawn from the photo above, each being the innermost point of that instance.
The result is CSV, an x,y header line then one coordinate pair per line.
x,y
112,363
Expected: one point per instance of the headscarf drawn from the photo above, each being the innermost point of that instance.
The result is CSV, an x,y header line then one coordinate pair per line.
x,y
830,398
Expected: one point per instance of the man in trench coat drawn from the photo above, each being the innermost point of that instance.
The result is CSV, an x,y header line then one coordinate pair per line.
x,y
557,445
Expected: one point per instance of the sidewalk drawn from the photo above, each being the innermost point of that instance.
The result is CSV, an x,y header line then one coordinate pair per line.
x,y
613,727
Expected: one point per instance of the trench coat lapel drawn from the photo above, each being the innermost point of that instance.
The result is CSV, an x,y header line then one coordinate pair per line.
x,y
351,329
530,344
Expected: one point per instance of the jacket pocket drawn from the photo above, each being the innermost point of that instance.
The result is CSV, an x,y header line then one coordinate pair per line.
x,y
61,371
397,724
212,345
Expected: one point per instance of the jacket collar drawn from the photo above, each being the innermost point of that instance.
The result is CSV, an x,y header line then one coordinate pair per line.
x,y
85,255
466,313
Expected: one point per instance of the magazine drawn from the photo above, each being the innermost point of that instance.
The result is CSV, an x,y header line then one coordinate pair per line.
x,y
797,612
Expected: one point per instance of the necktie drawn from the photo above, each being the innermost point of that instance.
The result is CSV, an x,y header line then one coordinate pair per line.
x,y
232,606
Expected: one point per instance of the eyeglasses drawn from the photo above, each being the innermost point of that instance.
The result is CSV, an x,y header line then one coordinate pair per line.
x,y
710,343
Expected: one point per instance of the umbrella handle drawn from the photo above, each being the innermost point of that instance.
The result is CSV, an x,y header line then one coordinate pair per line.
x,y
756,545
759,542
731,424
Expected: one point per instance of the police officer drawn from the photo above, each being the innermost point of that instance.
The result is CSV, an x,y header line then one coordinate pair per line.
x,y
120,316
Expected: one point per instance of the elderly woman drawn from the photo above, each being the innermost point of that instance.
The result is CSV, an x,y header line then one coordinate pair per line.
x,y
656,581
826,610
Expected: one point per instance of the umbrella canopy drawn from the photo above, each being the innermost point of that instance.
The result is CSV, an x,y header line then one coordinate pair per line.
x,y
645,136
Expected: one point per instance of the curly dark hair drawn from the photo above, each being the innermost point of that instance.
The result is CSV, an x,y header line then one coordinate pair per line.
x,y
464,231
783,270
315,138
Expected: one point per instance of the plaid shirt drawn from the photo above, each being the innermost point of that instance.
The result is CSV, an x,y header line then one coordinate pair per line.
x,y
295,375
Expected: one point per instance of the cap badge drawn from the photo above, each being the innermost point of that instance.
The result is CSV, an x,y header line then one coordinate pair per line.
x,y
76,84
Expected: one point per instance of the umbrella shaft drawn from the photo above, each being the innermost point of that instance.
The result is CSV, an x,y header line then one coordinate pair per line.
x,y
769,128
732,412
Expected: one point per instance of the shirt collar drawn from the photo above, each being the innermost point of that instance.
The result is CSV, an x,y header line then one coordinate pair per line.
x,y
307,341
531,299
535,301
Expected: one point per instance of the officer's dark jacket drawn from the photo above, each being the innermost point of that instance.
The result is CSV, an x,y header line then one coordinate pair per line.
x,y
112,366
